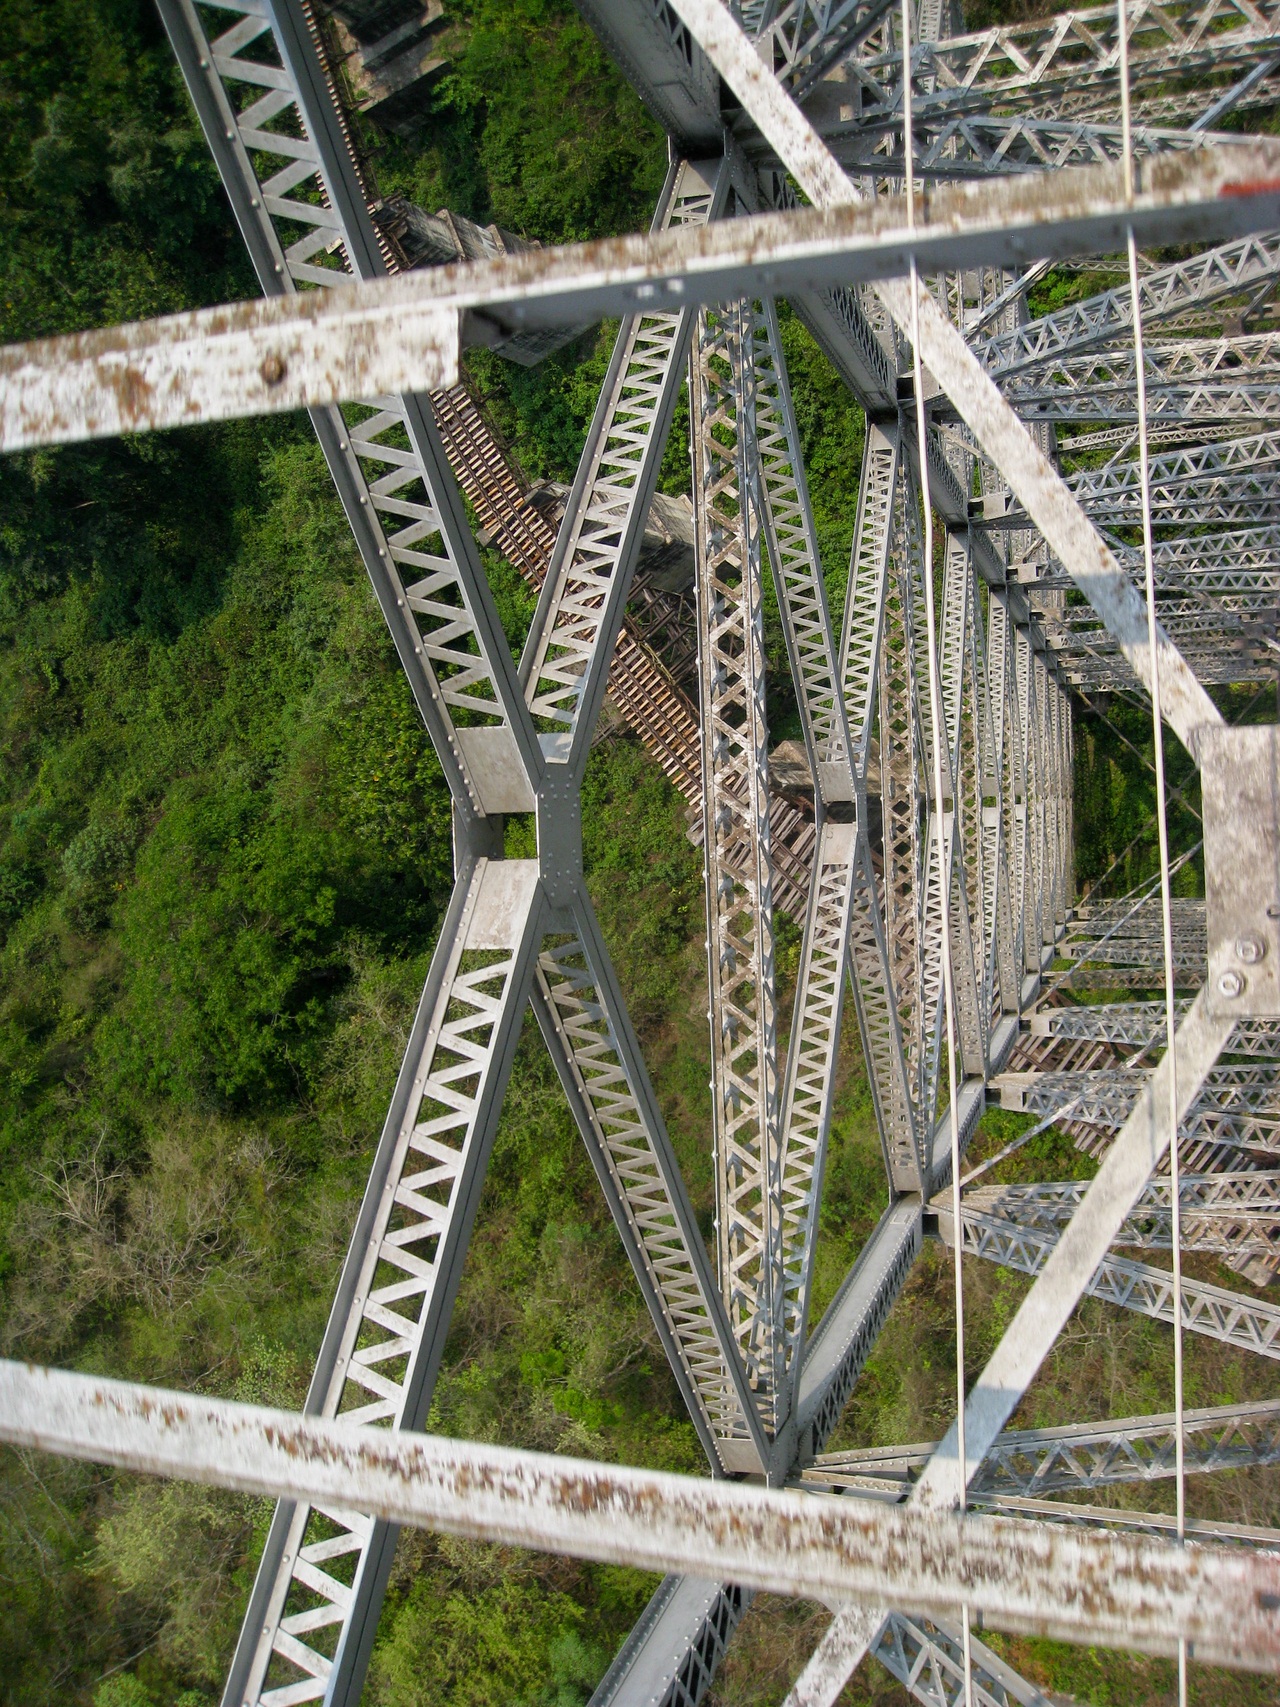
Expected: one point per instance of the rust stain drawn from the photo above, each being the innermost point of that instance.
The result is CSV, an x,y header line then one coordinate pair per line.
x,y
133,391
1251,187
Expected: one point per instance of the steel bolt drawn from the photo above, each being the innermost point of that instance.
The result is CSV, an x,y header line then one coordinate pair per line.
x,y
1231,985
1250,949
273,368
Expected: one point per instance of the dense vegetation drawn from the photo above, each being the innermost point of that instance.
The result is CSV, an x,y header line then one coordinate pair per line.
x,y
223,852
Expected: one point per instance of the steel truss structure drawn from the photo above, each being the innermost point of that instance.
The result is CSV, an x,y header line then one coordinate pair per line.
x,y
927,860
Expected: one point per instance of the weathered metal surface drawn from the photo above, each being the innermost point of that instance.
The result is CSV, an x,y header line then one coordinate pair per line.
x,y
1066,1583
853,1629
1241,794
220,363
992,835
346,342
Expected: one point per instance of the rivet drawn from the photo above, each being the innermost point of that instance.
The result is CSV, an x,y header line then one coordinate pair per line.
x,y
1231,985
1250,949
274,367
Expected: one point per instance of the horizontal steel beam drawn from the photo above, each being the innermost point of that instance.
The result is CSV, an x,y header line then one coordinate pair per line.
x,y
1142,1025
1248,267
1121,1591
402,333
1235,1105
1065,63
1213,1311
1231,1214
1081,1455
1133,1522
980,144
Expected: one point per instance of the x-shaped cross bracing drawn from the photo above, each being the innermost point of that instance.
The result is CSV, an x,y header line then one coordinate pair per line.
x,y
891,842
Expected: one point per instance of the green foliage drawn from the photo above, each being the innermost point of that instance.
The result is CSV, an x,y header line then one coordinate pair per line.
x,y
123,1690
524,1631
534,128
224,846
544,412
489,1625
172,1548
832,433
111,209
1115,790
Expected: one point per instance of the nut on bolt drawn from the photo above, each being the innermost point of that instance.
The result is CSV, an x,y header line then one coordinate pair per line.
x,y
1230,985
1250,950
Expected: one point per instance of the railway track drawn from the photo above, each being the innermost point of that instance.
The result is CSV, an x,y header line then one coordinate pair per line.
x,y
641,686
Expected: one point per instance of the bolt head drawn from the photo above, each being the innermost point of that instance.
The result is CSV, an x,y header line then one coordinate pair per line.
x,y
273,368
1231,985
1250,950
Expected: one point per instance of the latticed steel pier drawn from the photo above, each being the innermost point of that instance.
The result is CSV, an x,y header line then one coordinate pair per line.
x,y
902,183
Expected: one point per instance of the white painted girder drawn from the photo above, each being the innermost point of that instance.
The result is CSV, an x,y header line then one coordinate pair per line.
x,y
566,659
746,1082
1006,737
1114,1588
